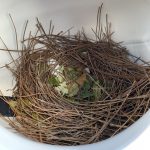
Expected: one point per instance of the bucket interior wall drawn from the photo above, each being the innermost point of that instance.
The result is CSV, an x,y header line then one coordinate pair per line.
x,y
130,22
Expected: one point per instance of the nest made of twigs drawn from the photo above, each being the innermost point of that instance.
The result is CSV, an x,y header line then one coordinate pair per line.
x,y
45,115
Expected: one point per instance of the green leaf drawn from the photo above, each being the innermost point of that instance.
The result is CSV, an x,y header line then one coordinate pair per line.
x,y
60,78
86,94
86,85
62,88
53,81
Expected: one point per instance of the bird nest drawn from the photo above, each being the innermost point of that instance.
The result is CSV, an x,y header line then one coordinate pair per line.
x,y
73,90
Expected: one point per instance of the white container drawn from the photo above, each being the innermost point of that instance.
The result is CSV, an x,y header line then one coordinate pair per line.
x,y
131,22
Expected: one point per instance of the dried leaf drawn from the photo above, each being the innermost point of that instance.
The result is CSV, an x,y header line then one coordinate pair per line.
x,y
97,91
35,116
70,73
12,103
73,89
81,79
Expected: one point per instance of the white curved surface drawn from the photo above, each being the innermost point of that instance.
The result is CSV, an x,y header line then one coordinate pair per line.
x,y
131,22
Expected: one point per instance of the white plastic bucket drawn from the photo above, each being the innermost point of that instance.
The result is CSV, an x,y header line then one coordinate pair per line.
x,y
131,22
